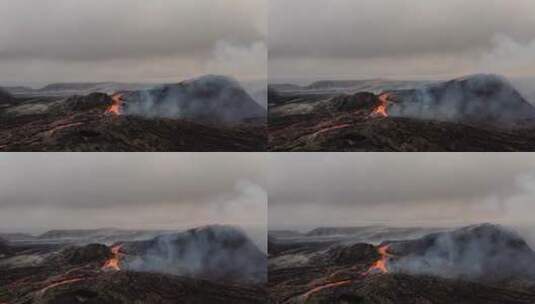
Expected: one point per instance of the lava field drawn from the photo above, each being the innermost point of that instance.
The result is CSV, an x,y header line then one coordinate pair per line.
x,y
56,271
212,113
476,113
477,264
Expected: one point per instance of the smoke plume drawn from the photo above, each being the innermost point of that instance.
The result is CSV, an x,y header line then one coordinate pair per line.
x,y
481,252
209,98
480,98
214,252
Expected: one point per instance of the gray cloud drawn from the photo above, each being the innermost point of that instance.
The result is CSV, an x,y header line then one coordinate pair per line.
x,y
146,190
132,36
408,38
338,189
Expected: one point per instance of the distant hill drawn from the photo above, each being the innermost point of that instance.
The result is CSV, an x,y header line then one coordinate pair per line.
x,y
480,98
212,252
208,98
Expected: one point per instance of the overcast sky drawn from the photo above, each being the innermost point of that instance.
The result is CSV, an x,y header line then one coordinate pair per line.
x,y
43,41
404,39
400,189
41,191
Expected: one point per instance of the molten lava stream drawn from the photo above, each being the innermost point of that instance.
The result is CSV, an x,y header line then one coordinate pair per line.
x,y
326,286
116,105
337,127
113,262
381,110
60,283
380,265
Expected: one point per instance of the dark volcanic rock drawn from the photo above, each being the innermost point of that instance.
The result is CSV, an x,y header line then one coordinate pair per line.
x,y
479,98
342,273
405,289
214,253
4,248
362,101
354,254
129,287
84,103
206,114
478,113
94,130
77,285
487,252
87,254
56,274
5,97
348,132
208,98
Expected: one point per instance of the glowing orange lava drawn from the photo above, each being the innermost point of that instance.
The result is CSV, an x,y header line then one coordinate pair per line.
x,y
64,126
116,105
60,283
326,286
113,262
381,110
381,265
329,129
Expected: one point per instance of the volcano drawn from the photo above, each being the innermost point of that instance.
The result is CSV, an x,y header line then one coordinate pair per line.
x,y
479,98
474,113
482,252
208,98
311,270
212,117
214,252
58,272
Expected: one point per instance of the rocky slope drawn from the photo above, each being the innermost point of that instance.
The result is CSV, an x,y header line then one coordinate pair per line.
x,y
209,98
84,123
305,272
479,113
59,273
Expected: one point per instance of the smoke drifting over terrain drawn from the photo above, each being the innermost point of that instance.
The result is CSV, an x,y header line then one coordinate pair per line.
x,y
213,98
131,41
477,98
216,252
40,192
311,190
400,39
485,252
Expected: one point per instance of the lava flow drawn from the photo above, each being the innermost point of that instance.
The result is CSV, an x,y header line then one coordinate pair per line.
x,y
116,105
381,264
113,262
381,110
326,286
60,283
337,127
